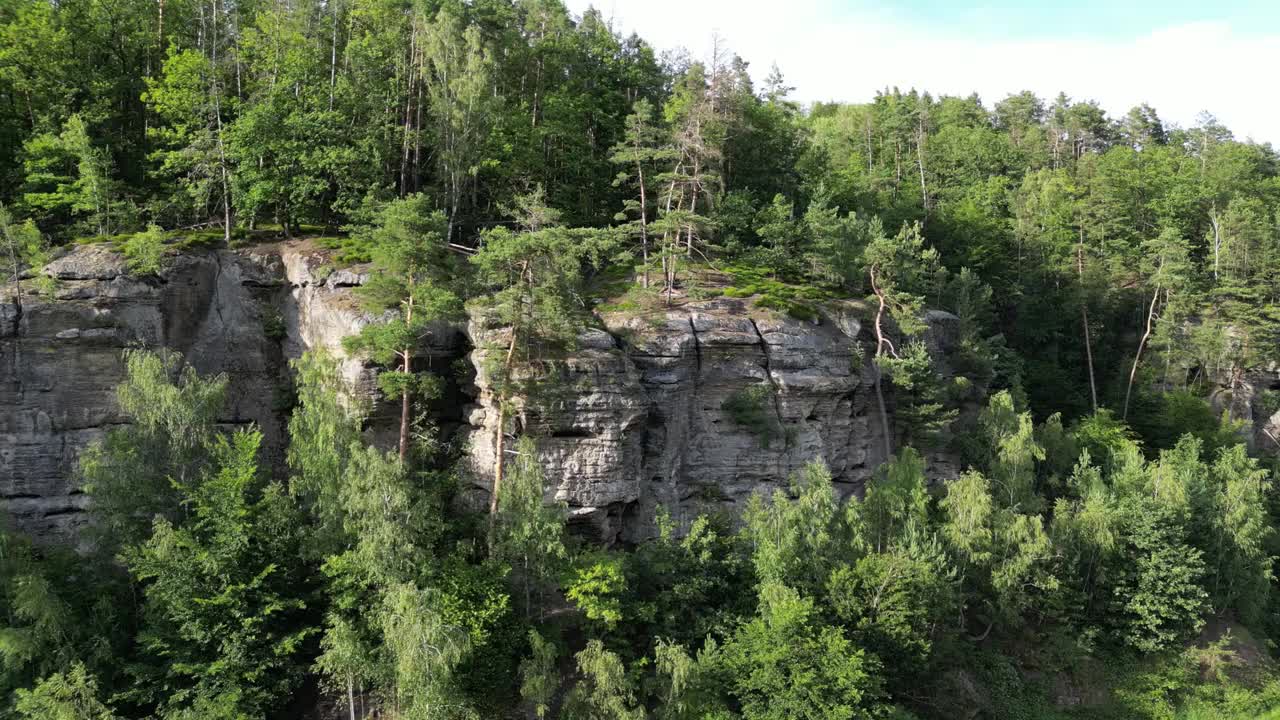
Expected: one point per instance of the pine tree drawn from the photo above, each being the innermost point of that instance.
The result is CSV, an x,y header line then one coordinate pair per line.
x,y
410,277
535,275
643,148
898,269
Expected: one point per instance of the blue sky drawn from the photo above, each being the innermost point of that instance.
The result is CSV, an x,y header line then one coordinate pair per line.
x,y
1080,18
1181,57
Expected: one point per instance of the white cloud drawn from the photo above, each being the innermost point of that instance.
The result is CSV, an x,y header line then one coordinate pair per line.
x,y
835,55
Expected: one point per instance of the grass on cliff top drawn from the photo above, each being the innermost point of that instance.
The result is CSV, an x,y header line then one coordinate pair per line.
x,y
211,237
618,289
797,300
347,251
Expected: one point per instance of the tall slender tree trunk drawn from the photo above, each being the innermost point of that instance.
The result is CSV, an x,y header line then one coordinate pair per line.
x,y
223,173
333,54
406,403
693,205
688,231
880,344
351,697
410,86
870,154
1217,238
668,272
160,28
1084,322
499,443
1137,357
924,189
644,227
13,259
897,167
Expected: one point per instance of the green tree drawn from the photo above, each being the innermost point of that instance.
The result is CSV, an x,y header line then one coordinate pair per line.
x,y
529,533
535,277
456,72
1168,270
604,693
187,95
922,415
786,663
346,657
57,608
836,242
1241,557
896,501
425,649
27,249
324,430
135,473
1159,598
411,277
797,541
539,676
898,269
67,175
644,146
1013,452
222,610
94,190
64,696
898,602
144,251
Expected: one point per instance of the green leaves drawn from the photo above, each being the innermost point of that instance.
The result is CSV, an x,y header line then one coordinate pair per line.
x,y
222,613
596,586
529,532
411,286
539,676
144,251
1160,597
605,691
64,696
786,663
534,280
424,648
26,246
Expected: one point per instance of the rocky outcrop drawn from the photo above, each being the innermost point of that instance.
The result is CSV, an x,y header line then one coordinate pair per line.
x,y
242,313
641,415
1252,398
645,410
61,358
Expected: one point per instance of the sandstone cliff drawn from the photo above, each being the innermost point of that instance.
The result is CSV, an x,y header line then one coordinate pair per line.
x,y
638,414
638,417
239,313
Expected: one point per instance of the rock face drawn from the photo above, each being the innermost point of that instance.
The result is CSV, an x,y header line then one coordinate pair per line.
x,y
1251,397
240,313
693,408
640,414
61,358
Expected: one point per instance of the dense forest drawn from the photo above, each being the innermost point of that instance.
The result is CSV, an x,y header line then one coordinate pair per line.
x,y
1116,280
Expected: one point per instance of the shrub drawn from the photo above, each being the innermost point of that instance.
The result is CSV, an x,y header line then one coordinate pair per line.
x,y
748,407
273,326
145,251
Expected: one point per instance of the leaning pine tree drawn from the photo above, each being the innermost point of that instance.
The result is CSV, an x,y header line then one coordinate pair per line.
x,y
535,276
897,268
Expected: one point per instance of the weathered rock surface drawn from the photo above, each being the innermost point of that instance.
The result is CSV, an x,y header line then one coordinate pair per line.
x,y
639,417
240,313
1251,397
61,358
